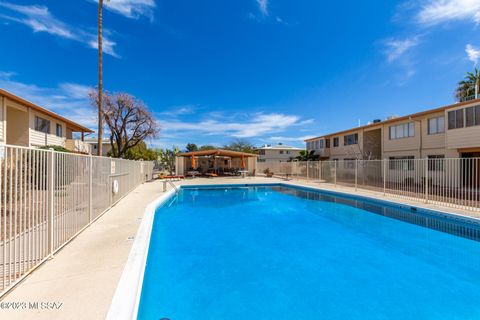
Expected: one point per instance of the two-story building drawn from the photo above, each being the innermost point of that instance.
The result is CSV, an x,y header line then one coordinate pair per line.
x,y
447,132
277,153
23,123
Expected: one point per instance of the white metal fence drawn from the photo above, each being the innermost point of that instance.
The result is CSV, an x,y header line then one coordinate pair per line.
x,y
48,197
447,182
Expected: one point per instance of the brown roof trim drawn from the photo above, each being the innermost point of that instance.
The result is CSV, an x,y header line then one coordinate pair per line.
x,y
77,127
216,152
413,115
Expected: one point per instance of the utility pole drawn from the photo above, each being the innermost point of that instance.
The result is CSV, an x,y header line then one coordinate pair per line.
x,y
477,84
100,79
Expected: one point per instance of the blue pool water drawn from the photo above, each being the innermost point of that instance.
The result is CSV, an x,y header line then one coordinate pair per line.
x,y
281,253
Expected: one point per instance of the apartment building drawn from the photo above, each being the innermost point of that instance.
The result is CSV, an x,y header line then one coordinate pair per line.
x,y
451,131
23,123
277,153
106,146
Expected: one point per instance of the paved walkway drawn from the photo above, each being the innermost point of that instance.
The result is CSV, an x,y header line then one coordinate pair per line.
x,y
83,276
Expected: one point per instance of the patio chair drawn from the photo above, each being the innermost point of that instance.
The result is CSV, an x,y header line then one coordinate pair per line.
x,y
210,174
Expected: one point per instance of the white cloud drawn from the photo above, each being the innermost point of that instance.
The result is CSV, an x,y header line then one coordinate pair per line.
x,y
40,19
131,8
396,48
179,110
473,53
68,99
245,126
263,7
440,11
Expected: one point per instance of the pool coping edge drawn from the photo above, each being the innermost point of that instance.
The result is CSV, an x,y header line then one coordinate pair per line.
x,y
126,298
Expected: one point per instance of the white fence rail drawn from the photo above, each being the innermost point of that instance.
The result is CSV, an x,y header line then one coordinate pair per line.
x,y
48,197
448,182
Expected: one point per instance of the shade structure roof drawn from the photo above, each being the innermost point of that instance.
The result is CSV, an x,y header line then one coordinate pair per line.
x,y
217,152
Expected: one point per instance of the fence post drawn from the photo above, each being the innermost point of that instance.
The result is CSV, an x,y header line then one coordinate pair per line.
x,y
90,189
426,179
50,193
384,176
356,173
308,164
319,171
335,172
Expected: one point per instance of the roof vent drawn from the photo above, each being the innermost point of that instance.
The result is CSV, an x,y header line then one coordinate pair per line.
x,y
376,120
392,117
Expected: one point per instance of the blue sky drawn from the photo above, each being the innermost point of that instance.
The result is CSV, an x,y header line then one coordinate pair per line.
x,y
266,71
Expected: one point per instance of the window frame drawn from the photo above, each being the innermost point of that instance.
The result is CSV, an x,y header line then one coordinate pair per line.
x,y
347,139
438,128
57,127
475,116
454,119
336,142
402,131
39,126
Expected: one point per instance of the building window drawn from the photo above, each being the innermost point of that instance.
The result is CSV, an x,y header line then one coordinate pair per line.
x,y
281,151
402,163
350,139
405,130
317,143
59,130
455,119
336,142
436,162
287,152
321,144
436,125
472,116
327,143
42,125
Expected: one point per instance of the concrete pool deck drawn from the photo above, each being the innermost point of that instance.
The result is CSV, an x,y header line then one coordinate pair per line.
x,y
83,276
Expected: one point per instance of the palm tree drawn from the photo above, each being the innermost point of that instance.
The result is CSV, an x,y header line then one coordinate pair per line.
x,y
306,155
468,87
100,78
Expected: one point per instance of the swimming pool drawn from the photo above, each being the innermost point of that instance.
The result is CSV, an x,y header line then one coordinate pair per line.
x,y
277,252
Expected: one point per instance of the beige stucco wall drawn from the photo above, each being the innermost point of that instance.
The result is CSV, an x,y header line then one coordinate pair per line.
x,y
403,144
468,137
431,144
464,138
346,152
432,141
17,130
38,138
274,155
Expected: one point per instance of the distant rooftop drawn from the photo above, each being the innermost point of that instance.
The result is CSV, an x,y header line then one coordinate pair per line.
x,y
279,146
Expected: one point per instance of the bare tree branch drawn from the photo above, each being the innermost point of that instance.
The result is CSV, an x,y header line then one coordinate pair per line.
x,y
128,119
